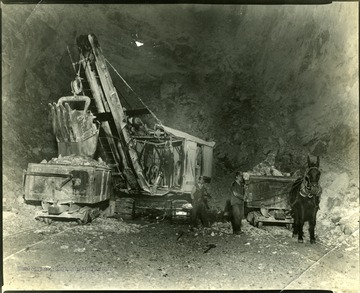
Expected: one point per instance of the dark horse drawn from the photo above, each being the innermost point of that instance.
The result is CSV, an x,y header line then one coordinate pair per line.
x,y
304,200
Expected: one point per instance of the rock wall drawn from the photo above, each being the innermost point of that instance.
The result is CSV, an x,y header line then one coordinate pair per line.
x,y
256,79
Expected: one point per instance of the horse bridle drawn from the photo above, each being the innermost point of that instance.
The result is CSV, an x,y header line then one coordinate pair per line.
x,y
306,185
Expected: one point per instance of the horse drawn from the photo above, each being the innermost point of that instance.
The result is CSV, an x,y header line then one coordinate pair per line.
x,y
304,199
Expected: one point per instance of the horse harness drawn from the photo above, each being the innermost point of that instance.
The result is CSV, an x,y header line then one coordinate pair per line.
x,y
308,191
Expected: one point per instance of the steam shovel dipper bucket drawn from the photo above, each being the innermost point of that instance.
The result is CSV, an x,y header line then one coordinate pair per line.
x,y
84,132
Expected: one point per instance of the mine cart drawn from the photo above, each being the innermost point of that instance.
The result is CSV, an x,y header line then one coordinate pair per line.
x,y
267,199
67,191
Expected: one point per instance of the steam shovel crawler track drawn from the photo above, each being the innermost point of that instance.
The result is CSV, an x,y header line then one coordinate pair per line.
x,y
36,243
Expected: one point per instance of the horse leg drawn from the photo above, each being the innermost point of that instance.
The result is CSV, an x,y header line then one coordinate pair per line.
x,y
301,225
312,224
312,231
296,223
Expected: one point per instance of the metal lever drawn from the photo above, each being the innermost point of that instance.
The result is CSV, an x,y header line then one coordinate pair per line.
x,y
68,176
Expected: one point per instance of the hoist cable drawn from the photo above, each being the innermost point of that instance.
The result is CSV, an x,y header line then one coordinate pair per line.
x,y
151,112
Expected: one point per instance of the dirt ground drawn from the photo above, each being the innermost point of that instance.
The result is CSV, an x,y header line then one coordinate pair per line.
x,y
113,254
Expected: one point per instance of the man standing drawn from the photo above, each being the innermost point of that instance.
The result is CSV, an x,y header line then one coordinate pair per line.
x,y
199,196
237,202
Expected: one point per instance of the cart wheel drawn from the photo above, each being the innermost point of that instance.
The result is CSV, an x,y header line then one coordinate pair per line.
x,y
126,208
250,218
38,219
253,222
81,221
85,220
45,205
93,214
265,212
48,221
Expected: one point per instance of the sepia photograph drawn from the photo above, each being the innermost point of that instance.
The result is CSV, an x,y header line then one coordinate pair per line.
x,y
180,146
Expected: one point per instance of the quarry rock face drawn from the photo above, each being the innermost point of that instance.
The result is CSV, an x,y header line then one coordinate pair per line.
x,y
256,79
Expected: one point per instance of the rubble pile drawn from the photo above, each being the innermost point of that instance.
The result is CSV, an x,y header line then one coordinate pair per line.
x,y
332,229
76,160
22,221
15,222
267,167
338,217
54,228
224,228
220,228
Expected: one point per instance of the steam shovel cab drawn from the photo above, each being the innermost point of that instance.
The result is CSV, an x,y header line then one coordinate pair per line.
x,y
172,161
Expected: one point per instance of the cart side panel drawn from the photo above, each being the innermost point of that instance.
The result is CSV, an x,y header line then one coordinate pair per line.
x,y
207,161
65,183
189,170
268,191
102,185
